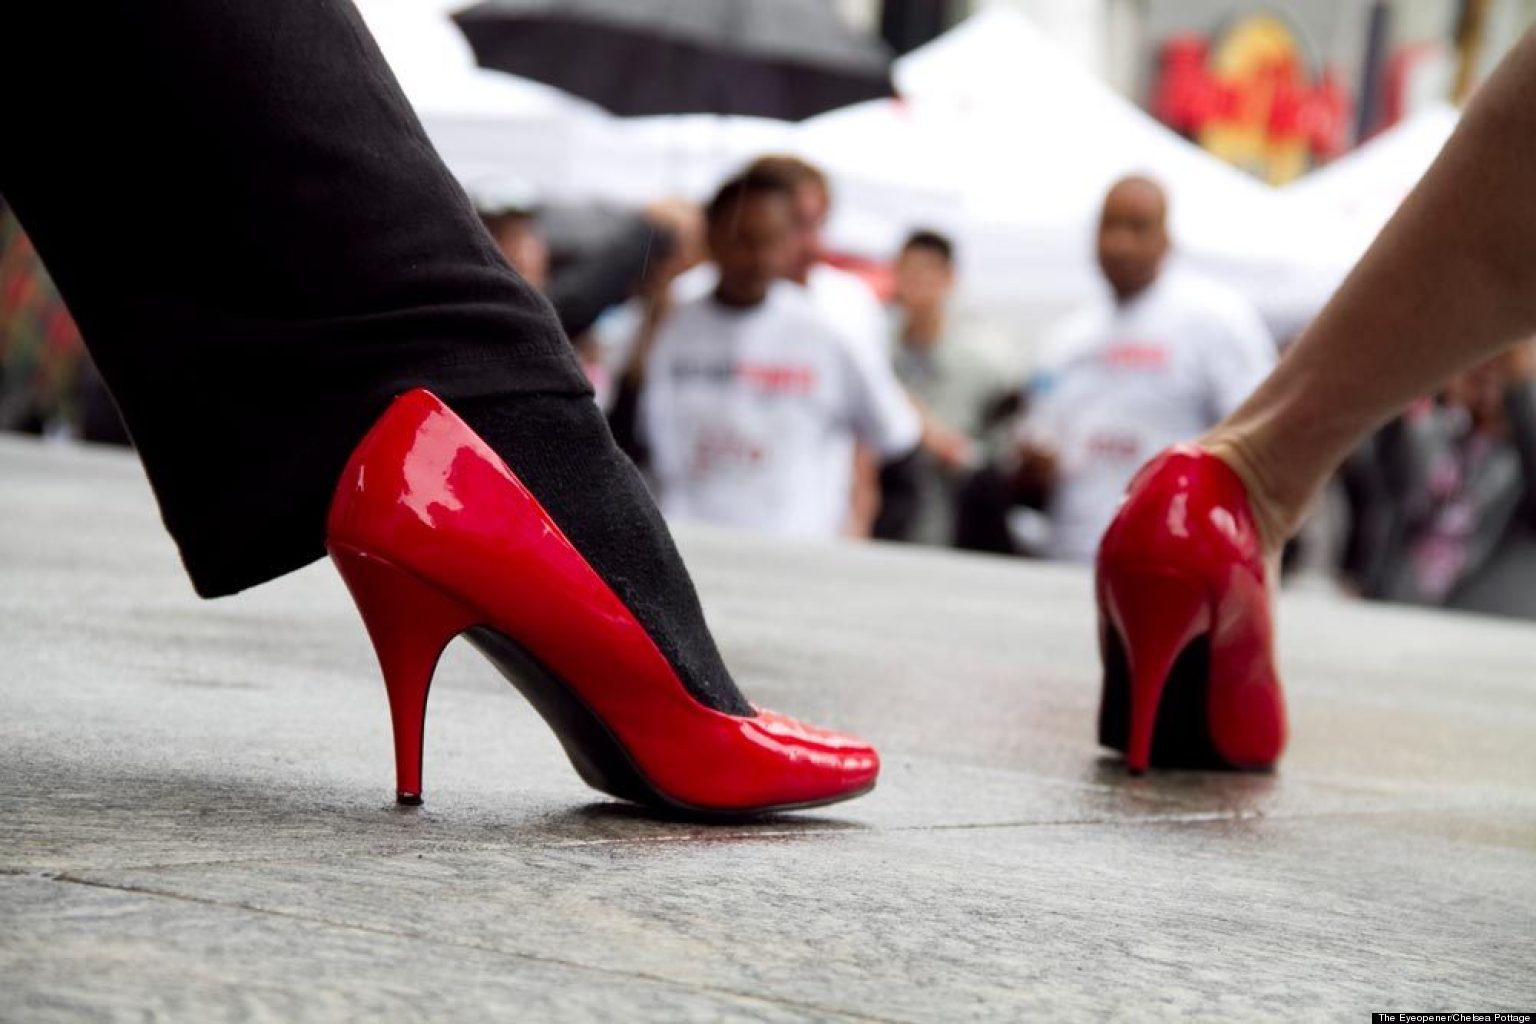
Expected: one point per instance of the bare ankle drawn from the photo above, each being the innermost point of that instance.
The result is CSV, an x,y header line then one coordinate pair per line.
x,y
1278,516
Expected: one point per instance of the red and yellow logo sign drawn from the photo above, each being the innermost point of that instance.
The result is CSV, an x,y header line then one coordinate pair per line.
x,y
1250,98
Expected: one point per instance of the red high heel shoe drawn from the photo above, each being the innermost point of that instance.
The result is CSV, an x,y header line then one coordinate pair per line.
x,y
435,536
1184,623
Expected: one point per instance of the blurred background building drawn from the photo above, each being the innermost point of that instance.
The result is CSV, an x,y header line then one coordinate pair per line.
x,y
1274,87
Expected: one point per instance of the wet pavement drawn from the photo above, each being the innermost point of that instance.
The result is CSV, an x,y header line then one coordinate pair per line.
x,y
198,824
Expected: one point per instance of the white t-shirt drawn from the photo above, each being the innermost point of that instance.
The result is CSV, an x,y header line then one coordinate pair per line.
x,y
851,306
750,414
844,299
1119,383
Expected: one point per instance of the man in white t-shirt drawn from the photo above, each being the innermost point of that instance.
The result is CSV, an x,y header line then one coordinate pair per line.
x,y
1165,355
843,300
751,397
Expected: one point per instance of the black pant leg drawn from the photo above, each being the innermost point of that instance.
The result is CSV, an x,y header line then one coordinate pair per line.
x,y
261,249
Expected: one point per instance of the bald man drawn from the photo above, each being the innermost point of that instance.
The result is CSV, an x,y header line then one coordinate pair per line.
x,y
1160,357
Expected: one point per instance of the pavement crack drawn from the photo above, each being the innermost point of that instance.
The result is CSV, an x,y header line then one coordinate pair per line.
x,y
821,1012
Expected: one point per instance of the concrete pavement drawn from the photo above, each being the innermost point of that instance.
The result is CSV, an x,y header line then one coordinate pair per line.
x,y
197,822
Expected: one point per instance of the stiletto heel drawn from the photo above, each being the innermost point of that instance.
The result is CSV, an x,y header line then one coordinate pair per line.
x,y
1185,629
1155,615
435,535
409,622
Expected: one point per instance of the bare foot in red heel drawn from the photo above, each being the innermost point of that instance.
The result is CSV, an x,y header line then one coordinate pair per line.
x,y
1184,620
1447,284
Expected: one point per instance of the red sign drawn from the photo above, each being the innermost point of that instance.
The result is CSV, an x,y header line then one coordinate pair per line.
x,y
1249,97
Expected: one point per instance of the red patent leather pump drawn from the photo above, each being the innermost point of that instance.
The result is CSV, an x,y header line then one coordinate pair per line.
x,y
1184,623
435,536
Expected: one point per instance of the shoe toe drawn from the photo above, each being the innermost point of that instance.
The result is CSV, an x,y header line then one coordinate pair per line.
x,y
838,762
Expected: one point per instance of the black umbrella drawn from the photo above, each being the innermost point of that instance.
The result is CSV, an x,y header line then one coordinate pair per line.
x,y
788,59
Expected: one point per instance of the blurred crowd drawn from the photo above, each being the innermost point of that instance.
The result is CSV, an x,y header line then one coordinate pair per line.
x,y
762,384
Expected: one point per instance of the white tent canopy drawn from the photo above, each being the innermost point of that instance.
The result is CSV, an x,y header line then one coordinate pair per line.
x,y
1036,140
1360,192
999,140
486,125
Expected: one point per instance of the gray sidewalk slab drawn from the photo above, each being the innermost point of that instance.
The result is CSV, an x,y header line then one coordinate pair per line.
x,y
197,821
